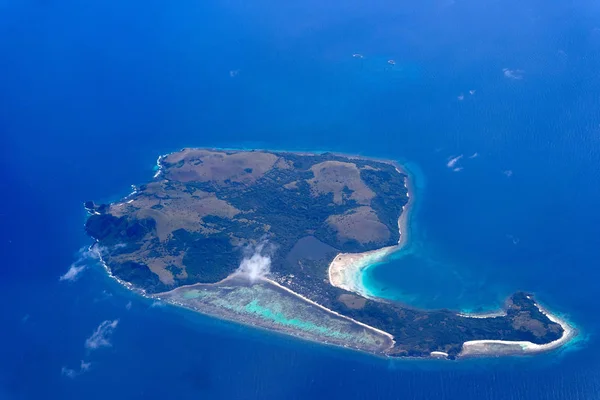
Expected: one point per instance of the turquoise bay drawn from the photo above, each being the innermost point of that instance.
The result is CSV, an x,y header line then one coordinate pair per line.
x,y
420,276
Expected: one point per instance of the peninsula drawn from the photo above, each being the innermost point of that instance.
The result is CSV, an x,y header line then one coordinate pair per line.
x,y
278,240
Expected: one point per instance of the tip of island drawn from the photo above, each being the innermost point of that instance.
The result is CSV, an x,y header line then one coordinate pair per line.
x,y
279,240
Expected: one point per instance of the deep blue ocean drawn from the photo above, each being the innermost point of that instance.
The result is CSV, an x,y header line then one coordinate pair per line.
x,y
92,92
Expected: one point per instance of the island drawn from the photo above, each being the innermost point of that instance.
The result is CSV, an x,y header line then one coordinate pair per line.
x,y
278,240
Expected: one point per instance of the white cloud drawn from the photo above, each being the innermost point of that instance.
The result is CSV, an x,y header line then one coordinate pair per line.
x,y
73,273
516,74
85,366
85,255
128,306
102,334
72,373
508,173
68,372
474,155
515,240
257,262
453,161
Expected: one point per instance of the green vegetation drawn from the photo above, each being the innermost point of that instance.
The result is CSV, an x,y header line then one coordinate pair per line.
x,y
192,223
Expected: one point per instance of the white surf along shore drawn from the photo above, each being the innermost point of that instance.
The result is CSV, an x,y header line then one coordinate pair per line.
x,y
495,347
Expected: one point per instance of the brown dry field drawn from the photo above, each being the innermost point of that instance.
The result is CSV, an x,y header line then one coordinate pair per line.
x,y
360,224
172,207
334,176
215,166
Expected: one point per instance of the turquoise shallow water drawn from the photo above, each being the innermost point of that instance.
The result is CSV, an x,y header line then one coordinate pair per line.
x,y
420,276
95,91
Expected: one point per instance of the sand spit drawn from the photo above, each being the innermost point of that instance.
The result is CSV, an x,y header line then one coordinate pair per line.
x,y
345,271
505,347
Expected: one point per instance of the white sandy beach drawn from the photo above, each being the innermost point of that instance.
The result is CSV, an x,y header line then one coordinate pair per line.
x,y
346,269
